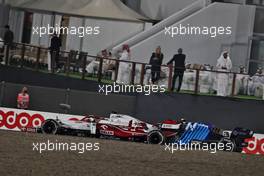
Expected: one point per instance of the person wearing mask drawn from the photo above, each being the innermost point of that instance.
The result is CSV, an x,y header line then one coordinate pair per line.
x,y
156,62
179,68
224,64
23,99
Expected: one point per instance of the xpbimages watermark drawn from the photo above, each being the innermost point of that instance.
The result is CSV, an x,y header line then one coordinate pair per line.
x,y
196,146
212,31
80,31
122,88
64,146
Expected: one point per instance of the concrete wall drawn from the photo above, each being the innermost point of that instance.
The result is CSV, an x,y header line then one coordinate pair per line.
x,y
82,102
204,49
47,91
225,113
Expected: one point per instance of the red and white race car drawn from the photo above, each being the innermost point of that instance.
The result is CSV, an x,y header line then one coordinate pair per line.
x,y
116,126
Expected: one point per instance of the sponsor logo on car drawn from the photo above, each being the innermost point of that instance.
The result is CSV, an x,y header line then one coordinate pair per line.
x,y
106,132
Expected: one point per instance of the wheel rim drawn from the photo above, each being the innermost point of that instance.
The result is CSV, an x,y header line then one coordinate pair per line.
x,y
49,127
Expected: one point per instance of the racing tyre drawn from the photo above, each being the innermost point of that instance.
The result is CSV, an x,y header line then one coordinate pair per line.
x,y
229,145
155,137
49,127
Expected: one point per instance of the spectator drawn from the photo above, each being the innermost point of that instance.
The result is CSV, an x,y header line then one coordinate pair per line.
x,y
111,63
155,62
9,36
124,70
23,99
179,68
224,64
55,45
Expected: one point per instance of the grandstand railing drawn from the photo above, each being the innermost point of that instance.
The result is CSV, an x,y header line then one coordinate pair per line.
x,y
74,63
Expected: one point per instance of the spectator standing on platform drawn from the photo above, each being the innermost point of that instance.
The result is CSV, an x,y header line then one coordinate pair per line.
x,y
179,68
124,70
156,62
55,45
9,36
224,64
23,99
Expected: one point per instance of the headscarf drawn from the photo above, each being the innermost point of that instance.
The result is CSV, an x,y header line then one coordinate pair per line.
x,y
126,47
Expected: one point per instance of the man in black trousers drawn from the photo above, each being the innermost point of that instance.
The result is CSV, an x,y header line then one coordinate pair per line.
x,y
55,45
156,62
179,68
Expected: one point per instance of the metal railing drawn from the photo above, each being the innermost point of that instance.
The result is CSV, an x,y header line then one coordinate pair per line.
x,y
74,63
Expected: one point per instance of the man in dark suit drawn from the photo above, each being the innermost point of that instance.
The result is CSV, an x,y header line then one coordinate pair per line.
x,y
9,36
55,45
179,68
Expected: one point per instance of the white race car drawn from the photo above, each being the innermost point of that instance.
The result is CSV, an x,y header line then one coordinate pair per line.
x,y
116,126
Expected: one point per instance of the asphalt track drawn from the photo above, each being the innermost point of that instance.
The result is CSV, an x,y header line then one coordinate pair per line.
x,y
116,158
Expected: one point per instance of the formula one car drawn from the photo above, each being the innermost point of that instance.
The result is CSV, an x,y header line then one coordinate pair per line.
x,y
117,126
125,127
202,133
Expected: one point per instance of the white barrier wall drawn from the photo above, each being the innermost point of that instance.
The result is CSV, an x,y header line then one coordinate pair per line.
x,y
16,120
203,49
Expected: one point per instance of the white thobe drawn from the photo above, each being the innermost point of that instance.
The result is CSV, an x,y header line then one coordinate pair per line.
x,y
223,78
124,69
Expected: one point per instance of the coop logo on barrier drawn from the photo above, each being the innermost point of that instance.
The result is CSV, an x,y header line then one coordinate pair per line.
x,y
12,120
255,146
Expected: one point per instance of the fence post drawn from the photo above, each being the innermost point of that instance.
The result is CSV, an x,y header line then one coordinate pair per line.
x,y
133,73
69,58
100,70
196,88
233,85
2,90
53,55
84,62
170,78
37,61
142,74
116,69
22,55
6,51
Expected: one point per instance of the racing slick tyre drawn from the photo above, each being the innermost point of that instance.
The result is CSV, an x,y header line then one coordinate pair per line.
x,y
155,137
49,127
229,144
